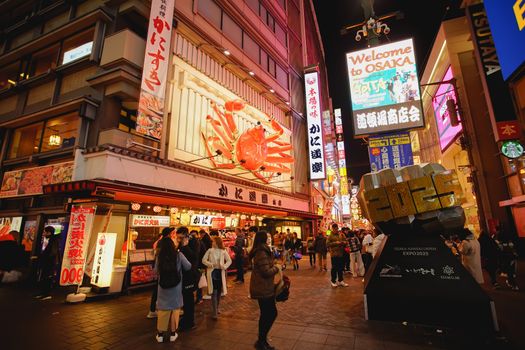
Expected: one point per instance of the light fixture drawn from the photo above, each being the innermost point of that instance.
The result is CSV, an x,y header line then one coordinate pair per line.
x,y
272,91
252,217
190,212
207,213
54,140
157,209
12,82
226,52
251,73
174,210
135,206
243,217
287,103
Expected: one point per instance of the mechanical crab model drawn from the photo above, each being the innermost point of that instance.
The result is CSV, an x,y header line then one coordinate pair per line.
x,y
251,149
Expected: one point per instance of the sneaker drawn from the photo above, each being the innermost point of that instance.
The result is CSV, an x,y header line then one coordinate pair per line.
x,y
159,337
516,288
38,296
496,286
343,284
206,297
48,297
152,314
173,336
334,284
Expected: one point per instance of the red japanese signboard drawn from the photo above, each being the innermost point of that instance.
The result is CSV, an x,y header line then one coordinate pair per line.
x,y
509,130
77,240
154,75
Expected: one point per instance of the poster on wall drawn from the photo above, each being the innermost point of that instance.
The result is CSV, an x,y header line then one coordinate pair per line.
x,y
8,224
446,131
384,88
77,240
154,75
390,151
103,260
315,127
29,235
30,181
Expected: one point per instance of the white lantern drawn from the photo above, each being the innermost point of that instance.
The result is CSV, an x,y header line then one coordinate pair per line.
x,y
174,210
135,206
157,209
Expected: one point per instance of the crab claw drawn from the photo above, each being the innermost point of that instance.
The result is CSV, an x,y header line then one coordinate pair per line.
x,y
234,106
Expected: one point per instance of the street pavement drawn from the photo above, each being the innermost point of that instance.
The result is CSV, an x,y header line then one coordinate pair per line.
x,y
316,316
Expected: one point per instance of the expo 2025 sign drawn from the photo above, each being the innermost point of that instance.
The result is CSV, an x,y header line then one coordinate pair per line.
x,y
384,88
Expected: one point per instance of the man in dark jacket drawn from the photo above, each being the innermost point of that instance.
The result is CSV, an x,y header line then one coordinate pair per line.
x,y
48,260
238,249
336,244
321,250
189,246
489,257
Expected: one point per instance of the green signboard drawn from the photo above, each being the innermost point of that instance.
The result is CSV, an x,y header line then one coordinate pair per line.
x,y
512,149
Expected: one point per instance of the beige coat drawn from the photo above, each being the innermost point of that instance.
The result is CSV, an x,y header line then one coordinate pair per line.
x,y
216,258
471,258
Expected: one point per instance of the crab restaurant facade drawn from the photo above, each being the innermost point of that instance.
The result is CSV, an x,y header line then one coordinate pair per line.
x,y
194,120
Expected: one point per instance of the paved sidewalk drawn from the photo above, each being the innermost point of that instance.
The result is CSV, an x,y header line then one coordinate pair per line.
x,y
316,317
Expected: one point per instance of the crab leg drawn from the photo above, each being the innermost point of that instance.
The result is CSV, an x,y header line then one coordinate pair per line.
x,y
216,142
279,149
210,154
287,159
216,125
277,168
223,121
262,178
232,106
279,131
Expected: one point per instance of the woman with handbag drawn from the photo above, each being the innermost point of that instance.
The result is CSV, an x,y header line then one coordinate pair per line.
x,y
217,261
262,286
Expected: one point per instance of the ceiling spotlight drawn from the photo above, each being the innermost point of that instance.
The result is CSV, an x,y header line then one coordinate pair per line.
x,y
251,73
226,52
287,103
272,91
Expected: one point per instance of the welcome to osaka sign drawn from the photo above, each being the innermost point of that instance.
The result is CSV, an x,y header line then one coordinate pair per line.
x,y
384,88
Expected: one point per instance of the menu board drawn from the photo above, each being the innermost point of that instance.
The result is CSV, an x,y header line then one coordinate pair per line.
x,y
30,181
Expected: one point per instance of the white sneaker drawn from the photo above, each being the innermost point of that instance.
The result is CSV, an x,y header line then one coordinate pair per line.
x,y
334,284
343,284
174,337
152,314
46,298
160,338
206,297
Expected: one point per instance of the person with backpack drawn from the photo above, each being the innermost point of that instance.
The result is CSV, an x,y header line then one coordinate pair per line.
x,y
169,265
357,268
238,249
321,250
262,286
217,261
311,251
190,249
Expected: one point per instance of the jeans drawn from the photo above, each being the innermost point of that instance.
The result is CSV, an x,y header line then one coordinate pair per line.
x,y
321,258
188,319
268,311
153,301
240,268
356,264
337,268
346,261
312,258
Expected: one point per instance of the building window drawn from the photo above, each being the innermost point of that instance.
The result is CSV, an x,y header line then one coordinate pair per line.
x,y
44,60
52,134
254,5
280,33
282,3
231,30
9,75
128,120
281,76
77,47
209,10
251,48
271,66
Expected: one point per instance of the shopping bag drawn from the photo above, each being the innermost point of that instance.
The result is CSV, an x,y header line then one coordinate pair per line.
x,y
202,282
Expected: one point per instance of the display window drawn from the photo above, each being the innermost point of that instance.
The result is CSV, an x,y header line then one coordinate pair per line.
x,y
9,75
44,60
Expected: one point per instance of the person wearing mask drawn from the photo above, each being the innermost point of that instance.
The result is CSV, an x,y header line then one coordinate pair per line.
x,y
489,257
262,286
311,251
206,243
170,263
166,231
297,247
336,244
48,260
470,254
217,261
238,248
321,250
356,262
367,249
190,249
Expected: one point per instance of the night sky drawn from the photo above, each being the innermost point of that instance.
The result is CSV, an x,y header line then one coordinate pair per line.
x,y
421,21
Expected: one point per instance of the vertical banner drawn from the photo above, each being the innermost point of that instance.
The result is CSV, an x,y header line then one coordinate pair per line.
x,y
155,73
341,156
315,130
103,262
80,224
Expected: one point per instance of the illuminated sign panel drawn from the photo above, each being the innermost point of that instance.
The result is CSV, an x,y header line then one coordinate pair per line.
x,y
103,261
384,88
345,197
315,127
149,221
76,53
447,132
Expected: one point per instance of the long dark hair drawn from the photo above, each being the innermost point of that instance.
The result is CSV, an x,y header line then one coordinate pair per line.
x,y
259,242
168,255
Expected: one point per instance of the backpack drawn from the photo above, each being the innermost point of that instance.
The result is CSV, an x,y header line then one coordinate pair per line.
x,y
282,289
169,276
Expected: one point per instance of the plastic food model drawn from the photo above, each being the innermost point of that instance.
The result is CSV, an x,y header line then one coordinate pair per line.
x,y
425,198
251,150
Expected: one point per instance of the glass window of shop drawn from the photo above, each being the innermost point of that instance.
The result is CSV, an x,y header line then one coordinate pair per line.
x,y
9,75
44,60
77,47
211,11
231,30
127,120
52,134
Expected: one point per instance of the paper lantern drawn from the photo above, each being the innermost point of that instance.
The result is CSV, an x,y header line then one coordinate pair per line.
x,y
157,209
135,206
174,210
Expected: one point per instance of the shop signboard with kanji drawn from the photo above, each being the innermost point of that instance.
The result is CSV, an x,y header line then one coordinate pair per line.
x,y
201,220
384,88
315,127
103,261
154,75
390,151
345,196
149,221
446,131
80,224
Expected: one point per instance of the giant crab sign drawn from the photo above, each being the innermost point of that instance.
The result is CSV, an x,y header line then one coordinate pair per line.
x,y
251,149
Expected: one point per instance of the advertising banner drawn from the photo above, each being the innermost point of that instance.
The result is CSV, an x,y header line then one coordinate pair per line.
x,y
390,151
30,181
103,261
447,132
149,221
507,21
384,88
345,196
80,224
155,73
315,127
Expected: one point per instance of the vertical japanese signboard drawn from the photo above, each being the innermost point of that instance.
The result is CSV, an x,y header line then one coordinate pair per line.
x,y
341,156
390,151
103,262
384,88
154,75
80,223
315,130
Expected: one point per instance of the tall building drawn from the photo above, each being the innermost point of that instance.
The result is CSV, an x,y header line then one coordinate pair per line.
x,y
229,147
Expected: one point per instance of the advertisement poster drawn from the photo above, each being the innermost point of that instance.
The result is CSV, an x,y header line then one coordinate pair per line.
x,y
390,151
384,88
29,235
80,223
103,261
8,224
345,197
315,127
155,73
30,181
447,132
